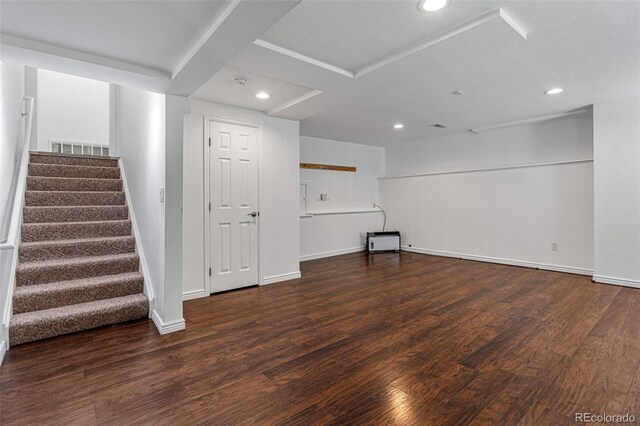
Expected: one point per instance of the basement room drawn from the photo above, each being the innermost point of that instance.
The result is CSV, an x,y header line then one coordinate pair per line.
x,y
319,212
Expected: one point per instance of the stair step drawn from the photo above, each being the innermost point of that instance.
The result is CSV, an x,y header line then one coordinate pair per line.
x,y
61,170
74,230
30,326
46,183
47,271
73,160
62,249
29,298
72,198
43,214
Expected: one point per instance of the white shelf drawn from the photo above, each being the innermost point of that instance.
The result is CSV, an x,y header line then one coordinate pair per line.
x,y
343,212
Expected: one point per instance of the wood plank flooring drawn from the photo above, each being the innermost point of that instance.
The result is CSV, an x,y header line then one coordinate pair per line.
x,y
387,339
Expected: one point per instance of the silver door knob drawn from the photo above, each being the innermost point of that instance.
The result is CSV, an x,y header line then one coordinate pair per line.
x,y
253,214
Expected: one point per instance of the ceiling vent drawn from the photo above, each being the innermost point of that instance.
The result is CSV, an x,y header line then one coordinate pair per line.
x,y
438,126
241,81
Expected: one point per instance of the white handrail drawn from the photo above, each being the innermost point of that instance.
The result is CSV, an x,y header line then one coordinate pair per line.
x,y
16,212
16,218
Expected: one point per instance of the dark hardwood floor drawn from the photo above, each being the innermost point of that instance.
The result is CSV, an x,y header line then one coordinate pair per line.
x,y
394,339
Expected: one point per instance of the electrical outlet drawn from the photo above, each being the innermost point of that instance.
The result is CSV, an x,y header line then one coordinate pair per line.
x,y
554,246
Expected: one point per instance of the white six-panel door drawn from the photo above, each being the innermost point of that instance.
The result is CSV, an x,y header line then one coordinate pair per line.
x,y
234,214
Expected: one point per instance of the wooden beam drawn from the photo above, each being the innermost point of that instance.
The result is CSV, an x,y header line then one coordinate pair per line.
x,y
327,167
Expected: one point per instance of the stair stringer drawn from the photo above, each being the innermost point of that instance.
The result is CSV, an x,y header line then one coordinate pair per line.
x,y
20,198
148,284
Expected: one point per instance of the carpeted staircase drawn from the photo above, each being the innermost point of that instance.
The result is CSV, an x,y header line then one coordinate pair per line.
x,y
77,263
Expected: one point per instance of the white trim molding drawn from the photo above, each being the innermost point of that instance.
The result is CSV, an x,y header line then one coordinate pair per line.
x,y
480,20
503,261
194,294
282,277
532,120
491,169
602,279
331,253
303,58
166,328
3,350
401,53
205,37
292,102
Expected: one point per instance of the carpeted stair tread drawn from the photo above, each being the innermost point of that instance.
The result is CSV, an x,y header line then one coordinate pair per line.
x,y
42,324
47,183
46,271
74,230
72,160
74,198
77,262
44,214
59,249
61,170
52,295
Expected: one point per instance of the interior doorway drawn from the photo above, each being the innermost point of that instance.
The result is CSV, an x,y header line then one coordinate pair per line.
x,y
232,215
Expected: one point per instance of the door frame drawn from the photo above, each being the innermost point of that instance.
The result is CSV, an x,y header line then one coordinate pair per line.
x,y
207,198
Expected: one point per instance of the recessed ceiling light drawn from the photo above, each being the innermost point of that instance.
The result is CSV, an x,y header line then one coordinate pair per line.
x,y
398,126
554,91
457,92
431,5
262,95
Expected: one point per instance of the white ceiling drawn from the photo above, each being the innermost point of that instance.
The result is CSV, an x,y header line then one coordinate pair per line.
x,y
222,89
154,34
348,69
591,48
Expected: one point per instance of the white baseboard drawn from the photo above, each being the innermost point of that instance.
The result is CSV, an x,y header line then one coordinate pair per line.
x,y
3,350
166,328
331,253
616,281
281,277
512,262
194,294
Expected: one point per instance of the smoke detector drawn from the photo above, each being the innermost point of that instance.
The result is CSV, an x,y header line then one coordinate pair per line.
x,y
241,81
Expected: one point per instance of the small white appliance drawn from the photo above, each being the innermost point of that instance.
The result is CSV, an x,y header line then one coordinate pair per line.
x,y
383,241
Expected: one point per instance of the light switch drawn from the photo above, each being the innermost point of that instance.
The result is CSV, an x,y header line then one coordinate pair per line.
x,y
323,197
162,195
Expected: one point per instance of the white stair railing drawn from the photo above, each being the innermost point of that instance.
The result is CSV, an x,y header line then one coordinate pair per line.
x,y
9,249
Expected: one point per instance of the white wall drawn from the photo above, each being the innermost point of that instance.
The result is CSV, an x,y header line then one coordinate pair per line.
x,y
508,216
71,108
279,218
347,192
617,191
140,135
563,139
